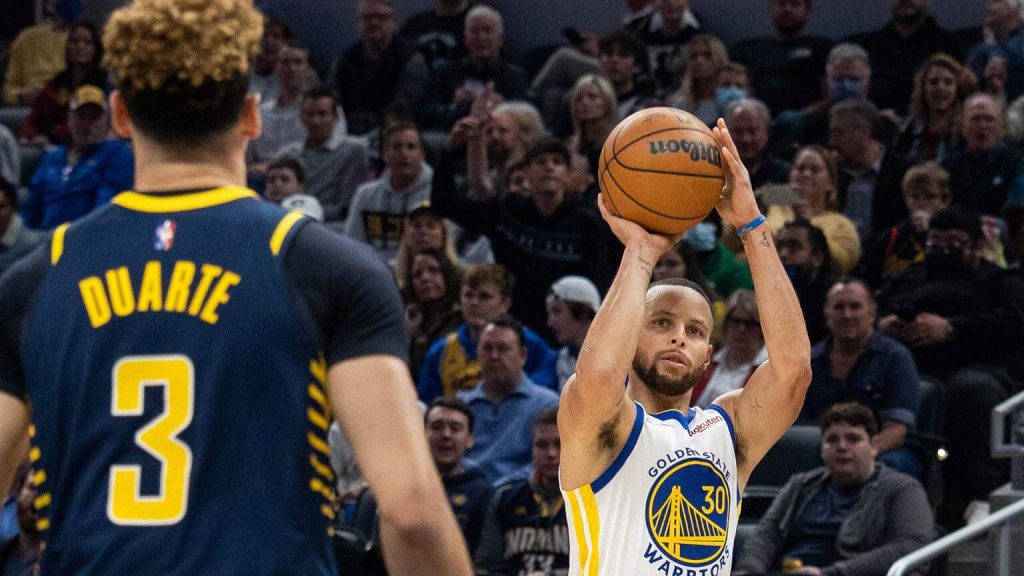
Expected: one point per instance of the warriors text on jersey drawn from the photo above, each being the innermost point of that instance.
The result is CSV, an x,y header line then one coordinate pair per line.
x,y
174,349
667,505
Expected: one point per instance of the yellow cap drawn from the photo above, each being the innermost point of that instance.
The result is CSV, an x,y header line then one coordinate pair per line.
x,y
88,94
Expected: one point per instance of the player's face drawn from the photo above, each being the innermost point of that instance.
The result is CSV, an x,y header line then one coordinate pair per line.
x,y
403,155
850,312
81,48
809,177
482,303
671,265
448,436
282,183
319,115
848,453
790,16
547,451
501,355
376,22
590,104
565,328
983,127
749,129
483,38
426,232
939,89
674,347
427,278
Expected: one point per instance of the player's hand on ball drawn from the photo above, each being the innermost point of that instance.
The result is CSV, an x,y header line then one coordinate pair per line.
x,y
632,234
737,206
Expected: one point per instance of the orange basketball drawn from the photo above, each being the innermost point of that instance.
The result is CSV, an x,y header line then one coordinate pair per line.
x,y
662,169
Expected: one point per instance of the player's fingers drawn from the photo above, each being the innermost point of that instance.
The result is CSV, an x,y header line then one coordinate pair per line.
x,y
727,137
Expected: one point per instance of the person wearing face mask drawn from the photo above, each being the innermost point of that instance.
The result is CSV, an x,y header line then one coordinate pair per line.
x,y
706,56
805,255
723,270
963,319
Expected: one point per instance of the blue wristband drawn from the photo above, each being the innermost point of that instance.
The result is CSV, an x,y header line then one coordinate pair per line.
x,y
742,230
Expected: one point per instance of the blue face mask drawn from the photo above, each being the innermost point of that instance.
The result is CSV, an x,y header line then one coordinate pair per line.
x,y
701,237
842,89
726,96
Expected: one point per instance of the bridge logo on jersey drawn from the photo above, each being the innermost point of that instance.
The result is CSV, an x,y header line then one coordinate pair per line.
x,y
688,513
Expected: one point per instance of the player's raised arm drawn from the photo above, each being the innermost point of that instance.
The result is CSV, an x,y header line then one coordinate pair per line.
x,y
595,396
771,400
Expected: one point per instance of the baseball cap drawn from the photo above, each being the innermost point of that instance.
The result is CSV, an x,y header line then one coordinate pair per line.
x,y
577,289
423,207
306,204
87,94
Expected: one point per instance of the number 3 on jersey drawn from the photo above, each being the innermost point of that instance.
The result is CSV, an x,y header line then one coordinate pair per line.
x,y
126,505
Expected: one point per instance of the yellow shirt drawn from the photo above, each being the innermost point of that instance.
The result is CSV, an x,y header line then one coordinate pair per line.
x,y
840,233
36,56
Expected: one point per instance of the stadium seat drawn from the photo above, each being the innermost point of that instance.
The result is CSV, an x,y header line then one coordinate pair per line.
x,y
798,450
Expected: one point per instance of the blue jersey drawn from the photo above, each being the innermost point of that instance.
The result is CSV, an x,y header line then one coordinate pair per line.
x,y
175,363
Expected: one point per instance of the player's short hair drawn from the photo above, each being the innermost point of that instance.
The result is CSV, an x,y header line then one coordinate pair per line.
x,y
925,174
852,413
290,163
686,284
548,146
10,192
546,417
390,130
182,67
507,322
451,404
321,91
496,274
957,218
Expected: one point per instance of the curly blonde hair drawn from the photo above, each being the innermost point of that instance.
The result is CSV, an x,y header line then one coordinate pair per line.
x,y
182,66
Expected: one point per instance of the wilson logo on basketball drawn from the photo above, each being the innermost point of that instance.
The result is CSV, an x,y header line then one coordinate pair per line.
x,y
697,150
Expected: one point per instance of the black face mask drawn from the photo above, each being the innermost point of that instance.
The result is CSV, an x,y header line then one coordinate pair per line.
x,y
946,264
798,275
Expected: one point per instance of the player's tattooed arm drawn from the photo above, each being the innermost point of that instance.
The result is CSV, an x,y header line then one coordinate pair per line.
x,y
646,265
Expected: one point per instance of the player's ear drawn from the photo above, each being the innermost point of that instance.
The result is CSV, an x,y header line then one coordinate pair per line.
x,y
119,119
711,352
252,124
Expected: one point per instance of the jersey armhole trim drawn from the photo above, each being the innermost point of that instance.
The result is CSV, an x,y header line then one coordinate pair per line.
x,y
728,421
627,449
282,229
57,243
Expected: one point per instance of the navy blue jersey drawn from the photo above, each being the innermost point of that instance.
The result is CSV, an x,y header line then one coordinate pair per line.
x,y
174,351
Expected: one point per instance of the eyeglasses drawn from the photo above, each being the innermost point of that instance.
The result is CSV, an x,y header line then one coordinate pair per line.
x,y
745,323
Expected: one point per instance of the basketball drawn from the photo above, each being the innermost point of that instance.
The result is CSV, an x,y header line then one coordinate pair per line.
x,y
662,169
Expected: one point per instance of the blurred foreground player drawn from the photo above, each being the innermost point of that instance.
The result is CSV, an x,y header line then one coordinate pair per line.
x,y
651,486
182,350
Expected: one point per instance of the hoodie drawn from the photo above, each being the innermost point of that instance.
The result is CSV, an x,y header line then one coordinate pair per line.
x,y
377,213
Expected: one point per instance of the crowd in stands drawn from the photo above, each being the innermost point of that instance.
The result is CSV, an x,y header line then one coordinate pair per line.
x,y
889,164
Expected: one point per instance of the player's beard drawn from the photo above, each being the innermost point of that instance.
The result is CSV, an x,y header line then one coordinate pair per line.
x,y
647,370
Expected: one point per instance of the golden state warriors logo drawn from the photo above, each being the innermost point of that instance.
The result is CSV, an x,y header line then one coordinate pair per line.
x,y
688,512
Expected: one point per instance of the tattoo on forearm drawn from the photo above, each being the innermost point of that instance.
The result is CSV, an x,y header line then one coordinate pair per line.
x,y
764,238
645,265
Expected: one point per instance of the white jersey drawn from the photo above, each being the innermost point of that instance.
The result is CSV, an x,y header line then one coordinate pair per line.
x,y
668,504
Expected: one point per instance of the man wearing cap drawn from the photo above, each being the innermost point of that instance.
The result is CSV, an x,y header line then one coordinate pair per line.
x,y
74,179
572,304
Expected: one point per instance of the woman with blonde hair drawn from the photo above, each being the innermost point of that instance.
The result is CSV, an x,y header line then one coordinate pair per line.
x,y
931,130
705,56
593,108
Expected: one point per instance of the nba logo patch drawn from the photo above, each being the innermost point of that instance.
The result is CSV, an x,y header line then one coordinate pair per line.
x,y
163,240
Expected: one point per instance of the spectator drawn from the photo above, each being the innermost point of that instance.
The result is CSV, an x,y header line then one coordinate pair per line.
x,y
38,52
719,265
430,287
850,516
963,319
73,180
847,77
282,116
787,68
985,173
438,33
595,113
10,156
732,84
562,69
263,78
899,48
449,426
705,56
454,86
48,121
804,252
750,123
497,141
742,352
623,59
285,178
543,237
335,164
857,364
366,75
20,555
15,240
526,530
813,178
931,131
572,304
893,250
506,402
665,32
379,208
424,230
871,173
451,363
306,204
638,9
998,62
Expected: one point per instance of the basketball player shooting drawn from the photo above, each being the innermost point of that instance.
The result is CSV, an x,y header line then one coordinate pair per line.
x,y
652,486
